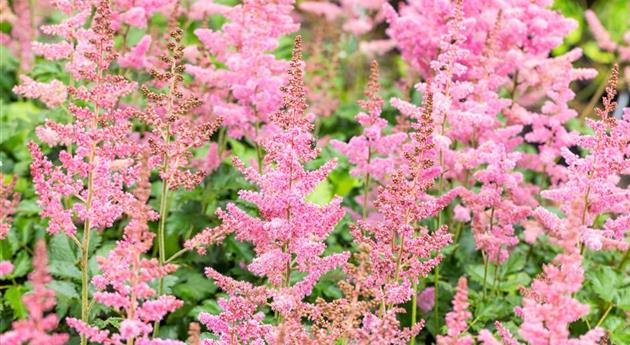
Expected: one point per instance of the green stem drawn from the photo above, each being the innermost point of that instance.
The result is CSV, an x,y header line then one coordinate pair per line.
x,y
496,279
485,275
161,240
624,259
176,255
601,319
414,311
436,311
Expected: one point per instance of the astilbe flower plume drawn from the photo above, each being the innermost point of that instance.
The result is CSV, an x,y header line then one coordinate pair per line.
x,y
474,52
373,154
174,134
456,320
38,328
9,199
246,91
89,183
93,174
124,281
605,42
357,17
592,187
22,18
288,237
399,250
549,307
495,207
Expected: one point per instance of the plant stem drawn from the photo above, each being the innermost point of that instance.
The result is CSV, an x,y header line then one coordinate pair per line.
x,y
601,319
436,311
259,154
496,279
366,187
176,255
161,240
485,275
414,311
624,259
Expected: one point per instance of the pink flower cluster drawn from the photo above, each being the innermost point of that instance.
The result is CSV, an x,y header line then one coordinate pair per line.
x,y
456,320
94,173
374,154
288,237
247,91
38,328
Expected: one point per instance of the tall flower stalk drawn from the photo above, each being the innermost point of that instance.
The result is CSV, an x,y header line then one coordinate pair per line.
x,y
89,183
174,134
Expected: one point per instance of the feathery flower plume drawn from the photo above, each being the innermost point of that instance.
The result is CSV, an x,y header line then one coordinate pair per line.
x,y
246,90
373,154
9,199
289,235
89,183
38,327
549,308
592,186
124,281
457,319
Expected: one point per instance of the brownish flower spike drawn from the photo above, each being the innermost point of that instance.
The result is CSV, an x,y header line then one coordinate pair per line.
x,y
608,100
374,102
294,107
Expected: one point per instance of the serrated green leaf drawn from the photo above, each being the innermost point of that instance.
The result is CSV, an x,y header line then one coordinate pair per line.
x,y
21,265
603,282
61,250
64,289
13,296
63,269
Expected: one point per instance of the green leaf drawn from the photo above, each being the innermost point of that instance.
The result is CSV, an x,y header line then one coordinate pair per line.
x,y
60,249
63,269
322,194
64,289
513,281
21,265
193,286
603,282
14,297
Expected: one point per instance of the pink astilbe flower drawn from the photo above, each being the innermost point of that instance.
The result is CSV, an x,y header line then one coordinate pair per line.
x,y
457,319
173,134
486,338
239,320
592,186
426,299
495,207
124,281
52,94
22,33
5,268
38,327
399,250
94,174
373,154
9,200
549,308
355,16
247,90
602,37
136,58
475,51
289,235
